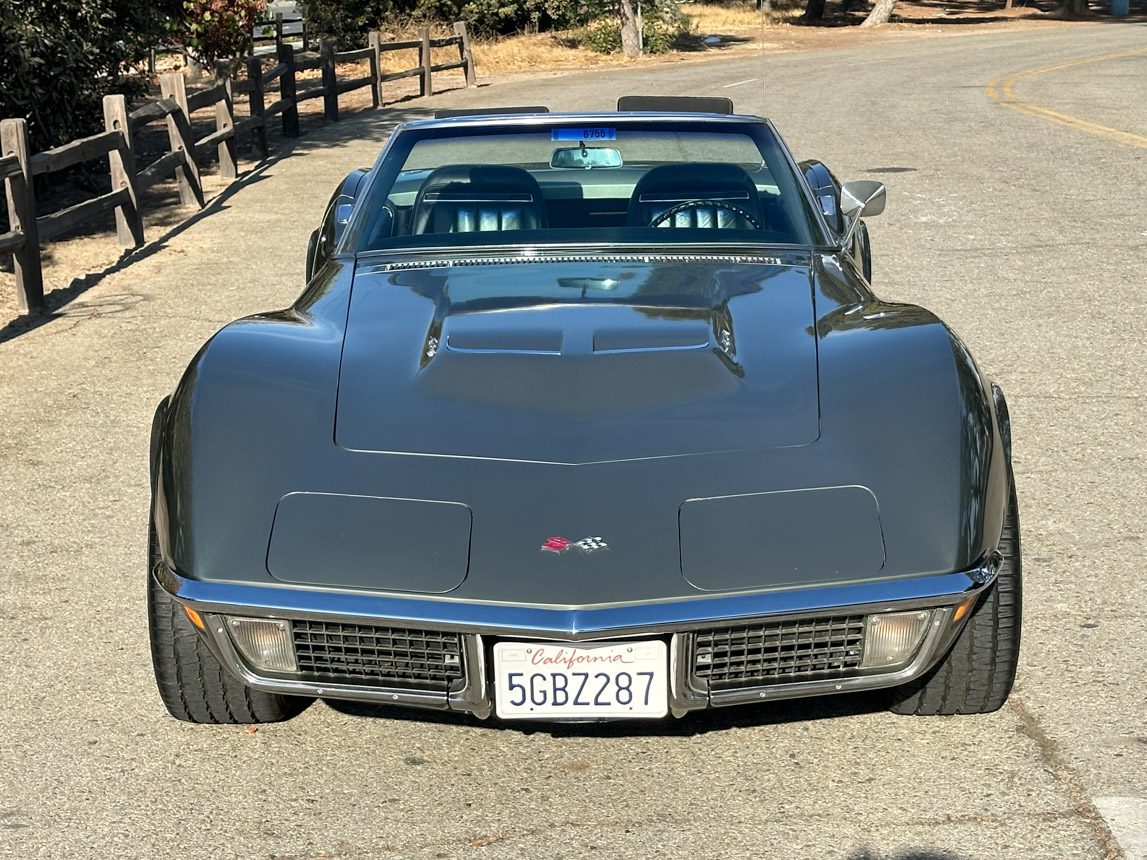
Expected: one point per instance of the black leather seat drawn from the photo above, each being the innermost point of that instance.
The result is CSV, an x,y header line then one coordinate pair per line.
x,y
467,198
669,185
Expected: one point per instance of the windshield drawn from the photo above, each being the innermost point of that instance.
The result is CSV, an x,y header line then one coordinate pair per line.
x,y
613,181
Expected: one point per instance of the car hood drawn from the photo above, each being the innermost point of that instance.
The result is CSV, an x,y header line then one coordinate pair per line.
x,y
576,362
690,426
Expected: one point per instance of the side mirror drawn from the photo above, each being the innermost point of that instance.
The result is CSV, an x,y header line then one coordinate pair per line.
x,y
862,199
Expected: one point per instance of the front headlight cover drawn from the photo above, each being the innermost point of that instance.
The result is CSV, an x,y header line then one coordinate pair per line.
x,y
892,639
265,644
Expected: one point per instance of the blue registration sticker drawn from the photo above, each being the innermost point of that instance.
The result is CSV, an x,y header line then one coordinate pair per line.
x,y
583,134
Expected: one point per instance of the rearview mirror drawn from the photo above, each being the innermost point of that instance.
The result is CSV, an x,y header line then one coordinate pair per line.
x,y
862,199
585,157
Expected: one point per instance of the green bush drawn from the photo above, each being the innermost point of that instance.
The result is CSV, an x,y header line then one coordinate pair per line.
x,y
603,36
511,16
59,58
348,21
661,34
662,25
218,29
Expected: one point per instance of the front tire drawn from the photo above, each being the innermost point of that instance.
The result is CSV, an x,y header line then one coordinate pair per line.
x,y
977,674
192,682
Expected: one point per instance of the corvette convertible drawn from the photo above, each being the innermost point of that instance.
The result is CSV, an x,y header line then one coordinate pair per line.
x,y
585,417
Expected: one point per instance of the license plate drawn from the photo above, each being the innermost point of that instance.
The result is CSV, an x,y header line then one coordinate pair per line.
x,y
601,680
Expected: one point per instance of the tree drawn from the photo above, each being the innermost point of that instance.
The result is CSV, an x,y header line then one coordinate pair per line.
x,y
813,10
630,35
347,21
59,58
880,13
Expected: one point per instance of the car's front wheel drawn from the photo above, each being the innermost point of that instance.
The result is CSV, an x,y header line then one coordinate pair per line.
x,y
192,682
977,674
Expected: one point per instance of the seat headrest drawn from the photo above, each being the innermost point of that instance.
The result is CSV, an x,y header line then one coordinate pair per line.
x,y
466,197
689,178
670,184
481,178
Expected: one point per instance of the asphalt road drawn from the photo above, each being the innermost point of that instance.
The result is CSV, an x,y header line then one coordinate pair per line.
x,y
1028,235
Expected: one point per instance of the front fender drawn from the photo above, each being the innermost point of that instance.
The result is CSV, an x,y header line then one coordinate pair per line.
x,y
905,407
247,419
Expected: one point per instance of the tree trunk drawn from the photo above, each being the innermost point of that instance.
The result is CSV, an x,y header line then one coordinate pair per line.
x,y
880,13
813,11
630,36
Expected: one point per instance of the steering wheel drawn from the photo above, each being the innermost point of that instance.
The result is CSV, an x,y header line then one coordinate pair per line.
x,y
706,204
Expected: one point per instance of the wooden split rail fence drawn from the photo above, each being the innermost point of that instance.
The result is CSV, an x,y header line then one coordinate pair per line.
x,y
176,106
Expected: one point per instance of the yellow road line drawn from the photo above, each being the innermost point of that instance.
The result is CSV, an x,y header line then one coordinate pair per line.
x,y
1002,93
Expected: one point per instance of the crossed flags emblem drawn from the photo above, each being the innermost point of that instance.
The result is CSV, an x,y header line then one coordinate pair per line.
x,y
558,545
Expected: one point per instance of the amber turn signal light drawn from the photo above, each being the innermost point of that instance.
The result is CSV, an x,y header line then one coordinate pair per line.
x,y
963,609
194,617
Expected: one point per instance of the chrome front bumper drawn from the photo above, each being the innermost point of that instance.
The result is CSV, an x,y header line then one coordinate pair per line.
x,y
673,619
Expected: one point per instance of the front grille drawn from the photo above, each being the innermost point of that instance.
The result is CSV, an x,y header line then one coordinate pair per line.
x,y
378,656
778,652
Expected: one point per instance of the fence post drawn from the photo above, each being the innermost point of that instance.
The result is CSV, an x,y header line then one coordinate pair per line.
x,y
287,92
464,52
278,30
121,165
374,42
256,104
330,79
173,86
22,217
424,53
224,120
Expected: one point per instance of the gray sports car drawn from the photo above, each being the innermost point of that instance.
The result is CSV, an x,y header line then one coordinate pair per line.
x,y
584,417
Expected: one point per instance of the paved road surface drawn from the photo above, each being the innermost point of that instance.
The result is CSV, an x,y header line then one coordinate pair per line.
x,y
1029,236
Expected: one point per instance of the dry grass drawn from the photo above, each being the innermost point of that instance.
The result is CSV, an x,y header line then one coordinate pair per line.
x,y
739,20
539,52
544,52
559,51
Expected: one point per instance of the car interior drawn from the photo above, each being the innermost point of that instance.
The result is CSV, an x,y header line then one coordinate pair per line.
x,y
462,198
611,178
